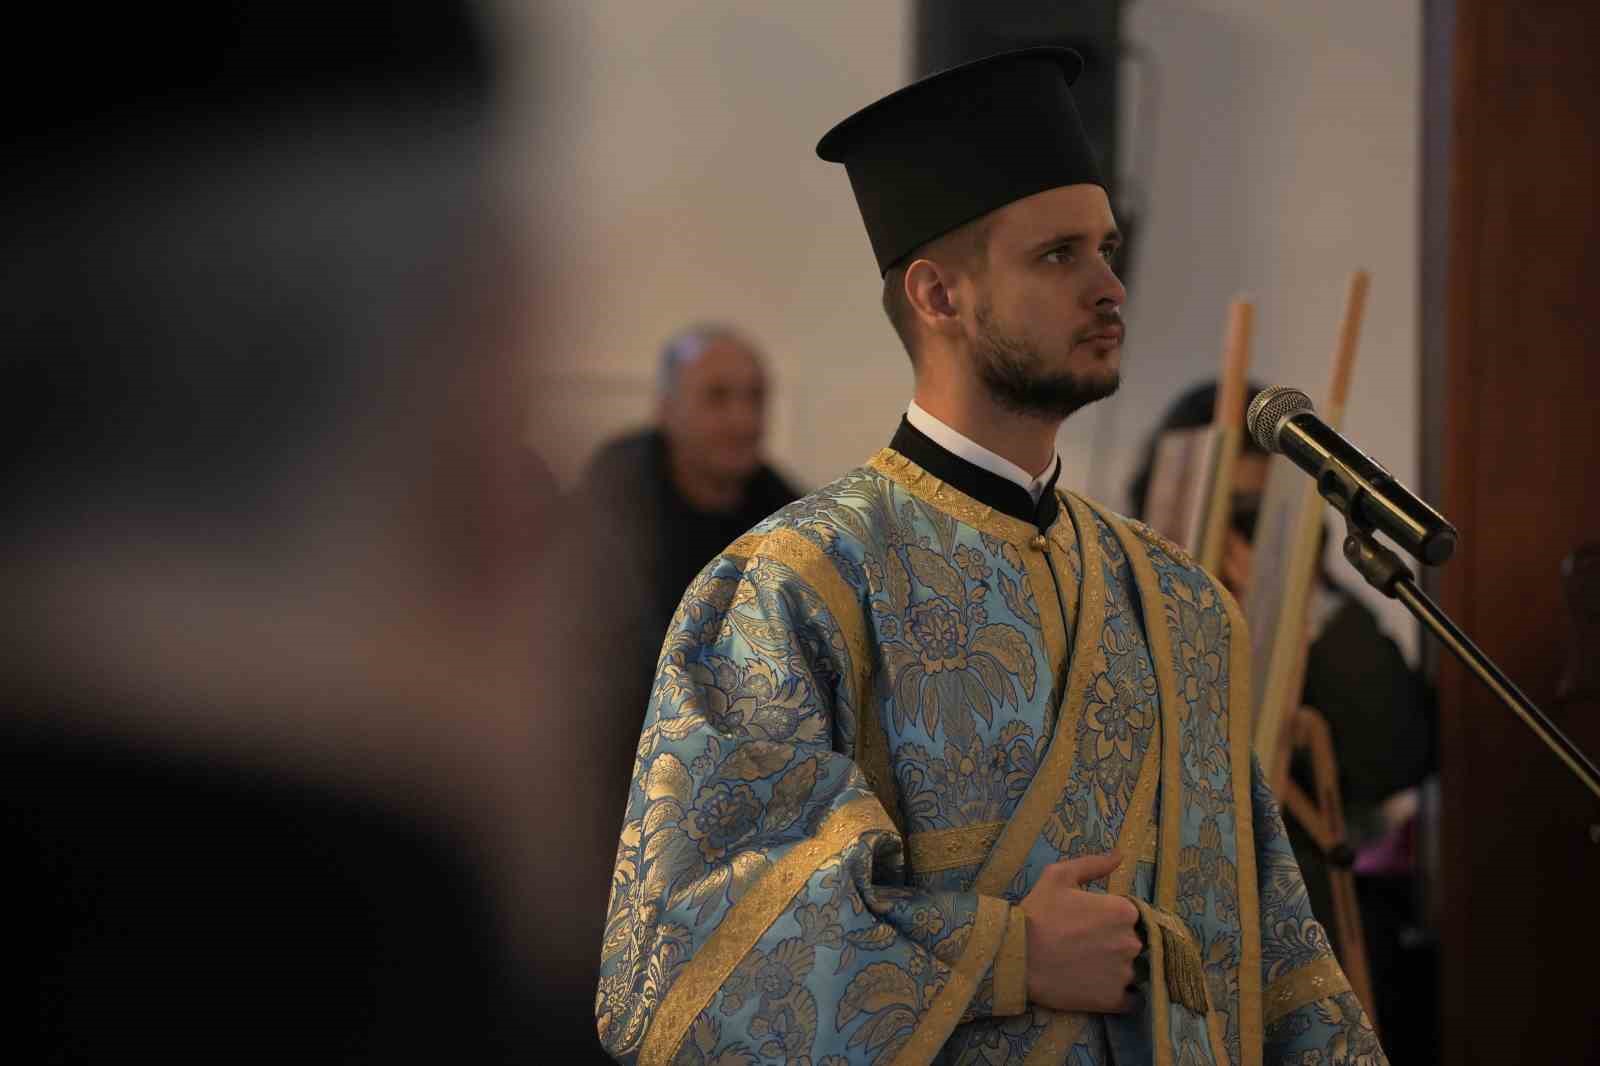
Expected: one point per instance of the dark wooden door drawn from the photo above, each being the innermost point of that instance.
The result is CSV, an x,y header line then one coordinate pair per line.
x,y
1512,353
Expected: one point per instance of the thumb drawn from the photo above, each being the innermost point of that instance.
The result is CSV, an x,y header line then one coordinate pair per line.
x,y
1094,867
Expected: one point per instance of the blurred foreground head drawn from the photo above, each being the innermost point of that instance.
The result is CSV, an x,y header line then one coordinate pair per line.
x,y
265,500
261,415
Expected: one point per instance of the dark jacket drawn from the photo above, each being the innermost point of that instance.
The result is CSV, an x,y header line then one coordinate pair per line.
x,y
176,909
664,539
643,544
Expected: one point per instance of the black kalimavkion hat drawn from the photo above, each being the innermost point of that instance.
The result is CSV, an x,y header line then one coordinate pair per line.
x,y
961,143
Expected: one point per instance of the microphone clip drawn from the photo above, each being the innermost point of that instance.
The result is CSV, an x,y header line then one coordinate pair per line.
x,y
1373,560
1382,568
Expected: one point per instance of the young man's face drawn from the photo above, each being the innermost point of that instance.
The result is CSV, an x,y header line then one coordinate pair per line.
x,y
1045,324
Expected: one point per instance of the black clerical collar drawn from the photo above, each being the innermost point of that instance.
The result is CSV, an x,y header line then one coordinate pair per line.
x,y
988,488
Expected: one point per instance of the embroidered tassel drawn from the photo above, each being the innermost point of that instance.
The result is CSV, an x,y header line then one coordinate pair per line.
x,y
1186,978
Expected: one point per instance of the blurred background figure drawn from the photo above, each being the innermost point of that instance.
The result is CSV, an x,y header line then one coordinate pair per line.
x,y
266,724
677,493
666,499
1383,719
654,506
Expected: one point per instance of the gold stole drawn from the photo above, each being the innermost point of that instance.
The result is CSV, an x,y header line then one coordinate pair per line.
x,y
1160,639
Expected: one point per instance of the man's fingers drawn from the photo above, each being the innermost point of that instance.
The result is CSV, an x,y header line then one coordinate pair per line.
x,y
1093,867
1111,910
1130,910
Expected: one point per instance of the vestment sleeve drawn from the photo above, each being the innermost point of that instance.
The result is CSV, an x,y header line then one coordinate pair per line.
x,y
759,906
1309,1012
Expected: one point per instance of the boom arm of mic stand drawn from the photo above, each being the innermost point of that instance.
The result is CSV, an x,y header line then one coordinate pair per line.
x,y
1385,572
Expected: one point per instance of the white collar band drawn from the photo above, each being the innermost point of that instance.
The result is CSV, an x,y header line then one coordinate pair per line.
x,y
966,448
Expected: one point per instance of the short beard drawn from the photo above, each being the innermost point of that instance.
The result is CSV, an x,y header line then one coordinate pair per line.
x,y
1009,368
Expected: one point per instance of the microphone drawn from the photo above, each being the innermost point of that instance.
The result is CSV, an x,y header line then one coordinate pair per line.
x,y
1282,420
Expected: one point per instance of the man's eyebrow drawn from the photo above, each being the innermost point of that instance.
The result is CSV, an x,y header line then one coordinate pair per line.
x,y
1061,240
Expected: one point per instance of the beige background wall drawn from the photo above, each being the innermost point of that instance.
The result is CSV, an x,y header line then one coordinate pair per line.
x,y
1283,153
692,192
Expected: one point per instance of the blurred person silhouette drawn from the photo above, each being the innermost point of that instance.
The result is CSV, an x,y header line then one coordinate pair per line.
x,y
666,499
1382,716
677,493
265,722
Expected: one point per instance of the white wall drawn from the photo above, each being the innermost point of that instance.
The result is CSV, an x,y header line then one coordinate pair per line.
x,y
693,192
1285,154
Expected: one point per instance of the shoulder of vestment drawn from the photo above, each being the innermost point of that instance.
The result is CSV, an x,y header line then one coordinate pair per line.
x,y
841,526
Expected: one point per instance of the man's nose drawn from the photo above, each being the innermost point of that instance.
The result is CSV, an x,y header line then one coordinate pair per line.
x,y
747,416
1108,290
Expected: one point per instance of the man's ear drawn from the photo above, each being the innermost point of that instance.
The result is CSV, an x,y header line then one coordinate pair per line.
x,y
929,291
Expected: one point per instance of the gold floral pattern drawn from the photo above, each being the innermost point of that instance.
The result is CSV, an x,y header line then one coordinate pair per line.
x,y
963,786
702,1048
1200,821
948,662
1115,713
1334,1031
751,699
750,924
889,1002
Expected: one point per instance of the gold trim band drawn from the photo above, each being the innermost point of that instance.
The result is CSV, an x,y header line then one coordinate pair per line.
x,y
951,501
944,1013
1252,1030
1158,639
1051,586
1136,543
1317,980
1148,844
747,921
1062,1031
744,547
794,551
945,849
1011,967
1044,791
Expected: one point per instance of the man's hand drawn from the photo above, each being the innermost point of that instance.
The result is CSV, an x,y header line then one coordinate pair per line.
x,y
1081,945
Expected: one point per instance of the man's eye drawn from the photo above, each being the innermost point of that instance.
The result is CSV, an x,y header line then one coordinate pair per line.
x,y
1109,252
1058,255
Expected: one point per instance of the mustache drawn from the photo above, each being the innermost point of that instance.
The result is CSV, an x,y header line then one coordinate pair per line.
x,y
1104,320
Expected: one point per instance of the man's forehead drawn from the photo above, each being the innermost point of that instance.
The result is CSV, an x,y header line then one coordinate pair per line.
x,y
1067,210
723,358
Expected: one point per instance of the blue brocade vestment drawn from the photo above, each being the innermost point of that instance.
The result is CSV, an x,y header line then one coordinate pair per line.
x,y
877,718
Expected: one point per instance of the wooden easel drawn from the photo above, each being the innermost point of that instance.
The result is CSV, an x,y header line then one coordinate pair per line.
x,y
1278,614
1197,517
1191,474
1227,427
1322,819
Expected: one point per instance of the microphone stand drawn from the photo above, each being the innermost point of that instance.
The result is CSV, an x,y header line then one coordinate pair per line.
x,y
1385,572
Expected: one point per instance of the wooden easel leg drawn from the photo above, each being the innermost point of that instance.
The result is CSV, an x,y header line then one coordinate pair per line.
x,y
1323,821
